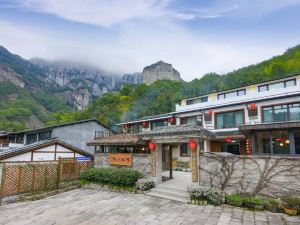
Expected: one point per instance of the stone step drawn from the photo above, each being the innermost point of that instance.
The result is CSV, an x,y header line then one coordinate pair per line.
x,y
169,187
175,193
166,196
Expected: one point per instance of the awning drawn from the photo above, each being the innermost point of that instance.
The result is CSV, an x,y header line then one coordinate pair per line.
x,y
269,126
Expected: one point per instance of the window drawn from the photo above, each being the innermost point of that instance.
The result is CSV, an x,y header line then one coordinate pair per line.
x,y
184,150
31,138
290,83
44,135
294,111
263,88
229,119
197,100
282,84
276,142
232,94
158,123
281,113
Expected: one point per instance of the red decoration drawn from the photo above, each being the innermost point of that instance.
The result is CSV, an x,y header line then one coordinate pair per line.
x,y
228,140
192,144
125,126
145,124
210,112
253,106
151,146
279,139
172,120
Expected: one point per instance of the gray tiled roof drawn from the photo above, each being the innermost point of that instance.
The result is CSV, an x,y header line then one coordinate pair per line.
x,y
226,132
178,130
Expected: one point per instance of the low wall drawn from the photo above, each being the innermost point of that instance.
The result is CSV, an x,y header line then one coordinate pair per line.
x,y
263,175
140,162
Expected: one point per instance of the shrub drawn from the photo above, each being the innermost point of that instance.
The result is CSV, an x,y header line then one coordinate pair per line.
x,y
213,195
119,177
254,200
182,164
290,201
144,184
234,198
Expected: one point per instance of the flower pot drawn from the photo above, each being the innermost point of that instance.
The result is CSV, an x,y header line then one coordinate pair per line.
x,y
254,206
290,211
234,203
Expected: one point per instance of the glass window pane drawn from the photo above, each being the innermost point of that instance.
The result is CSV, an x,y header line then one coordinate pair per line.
x,y
263,88
267,111
221,96
239,120
280,142
280,113
231,94
220,120
276,85
290,83
241,92
263,142
295,111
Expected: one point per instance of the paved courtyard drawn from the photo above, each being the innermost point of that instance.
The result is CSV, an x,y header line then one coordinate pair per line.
x,y
82,206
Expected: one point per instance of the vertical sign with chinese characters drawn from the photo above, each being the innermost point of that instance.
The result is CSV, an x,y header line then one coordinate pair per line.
x,y
194,166
153,163
120,159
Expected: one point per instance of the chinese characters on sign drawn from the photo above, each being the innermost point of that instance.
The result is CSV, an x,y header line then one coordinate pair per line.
x,y
120,159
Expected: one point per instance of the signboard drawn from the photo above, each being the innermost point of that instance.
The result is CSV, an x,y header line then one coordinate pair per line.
x,y
120,159
83,158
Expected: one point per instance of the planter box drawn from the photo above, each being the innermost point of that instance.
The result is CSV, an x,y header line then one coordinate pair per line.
x,y
254,206
199,202
234,203
290,211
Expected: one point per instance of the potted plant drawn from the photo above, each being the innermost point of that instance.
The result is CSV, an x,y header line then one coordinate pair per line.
x,y
234,200
254,203
290,205
272,205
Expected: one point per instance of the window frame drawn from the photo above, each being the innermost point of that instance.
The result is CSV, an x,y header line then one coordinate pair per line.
x,y
237,110
230,92
288,104
284,82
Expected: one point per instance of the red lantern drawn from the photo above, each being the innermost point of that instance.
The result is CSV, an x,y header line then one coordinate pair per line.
x,y
228,140
172,120
192,144
151,146
252,106
145,124
210,112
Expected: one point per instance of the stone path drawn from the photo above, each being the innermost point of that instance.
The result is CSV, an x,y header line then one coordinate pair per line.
x,y
82,206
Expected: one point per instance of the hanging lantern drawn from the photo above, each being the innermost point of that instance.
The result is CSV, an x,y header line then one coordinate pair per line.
x,y
210,112
253,106
228,140
145,124
192,144
172,120
151,146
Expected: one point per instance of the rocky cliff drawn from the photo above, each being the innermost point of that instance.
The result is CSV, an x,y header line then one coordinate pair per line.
x,y
160,71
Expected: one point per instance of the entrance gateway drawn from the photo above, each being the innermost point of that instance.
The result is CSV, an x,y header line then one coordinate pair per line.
x,y
166,145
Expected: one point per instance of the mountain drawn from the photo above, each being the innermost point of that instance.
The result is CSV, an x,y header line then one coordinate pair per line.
x,y
160,71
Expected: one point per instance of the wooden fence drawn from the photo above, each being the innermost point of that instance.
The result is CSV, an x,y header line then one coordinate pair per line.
x,y
31,177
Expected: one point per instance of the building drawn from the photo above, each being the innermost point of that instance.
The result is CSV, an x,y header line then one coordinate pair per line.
x,y
48,150
76,133
261,119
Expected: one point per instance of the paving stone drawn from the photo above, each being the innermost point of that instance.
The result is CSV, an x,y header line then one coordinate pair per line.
x,y
89,207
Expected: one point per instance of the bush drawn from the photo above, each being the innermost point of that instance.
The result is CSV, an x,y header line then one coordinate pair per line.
x,y
213,195
254,200
290,201
182,165
144,184
119,177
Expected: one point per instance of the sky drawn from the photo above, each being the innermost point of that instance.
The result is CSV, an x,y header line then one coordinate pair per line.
x,y
124,36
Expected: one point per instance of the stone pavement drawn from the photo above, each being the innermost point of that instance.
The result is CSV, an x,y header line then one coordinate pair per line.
x,y
82,206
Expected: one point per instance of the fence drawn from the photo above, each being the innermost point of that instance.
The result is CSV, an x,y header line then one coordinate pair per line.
x,y
30,177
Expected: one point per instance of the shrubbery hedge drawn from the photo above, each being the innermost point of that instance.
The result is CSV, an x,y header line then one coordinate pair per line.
x,y
119,177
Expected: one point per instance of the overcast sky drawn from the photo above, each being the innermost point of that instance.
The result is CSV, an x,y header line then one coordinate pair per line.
x,y
123,36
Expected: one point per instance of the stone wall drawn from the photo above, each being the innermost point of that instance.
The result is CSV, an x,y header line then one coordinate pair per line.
x,y
262,175
140,162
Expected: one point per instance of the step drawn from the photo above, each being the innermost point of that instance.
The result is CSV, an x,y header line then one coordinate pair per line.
x,y
165,196
170,192
167,186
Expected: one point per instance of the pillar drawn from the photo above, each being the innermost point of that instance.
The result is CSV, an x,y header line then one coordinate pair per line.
x,y
157,166
206,145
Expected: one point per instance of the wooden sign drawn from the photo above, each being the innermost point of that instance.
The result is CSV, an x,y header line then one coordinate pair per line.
x,y
194,166
120,159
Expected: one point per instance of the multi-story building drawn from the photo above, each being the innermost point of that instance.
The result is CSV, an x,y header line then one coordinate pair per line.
x,y
262,118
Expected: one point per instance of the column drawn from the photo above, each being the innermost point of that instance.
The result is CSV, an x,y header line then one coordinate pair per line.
x,y
206,145
158,164
292,142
